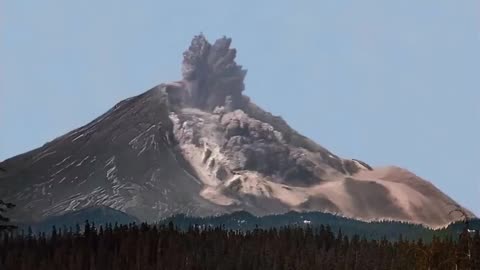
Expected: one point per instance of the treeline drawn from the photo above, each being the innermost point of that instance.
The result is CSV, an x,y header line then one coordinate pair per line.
x,y
371,230
165,247
245,221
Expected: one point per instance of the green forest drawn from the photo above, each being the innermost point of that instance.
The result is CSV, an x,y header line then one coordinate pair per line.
x,y
391,230
148,247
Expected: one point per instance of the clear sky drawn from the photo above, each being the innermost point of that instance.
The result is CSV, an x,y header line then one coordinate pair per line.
x,y
387,82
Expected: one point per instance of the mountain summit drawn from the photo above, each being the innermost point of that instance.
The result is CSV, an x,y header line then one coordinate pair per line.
x,y
199,146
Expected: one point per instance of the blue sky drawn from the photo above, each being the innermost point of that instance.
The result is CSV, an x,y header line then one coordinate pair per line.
x,y
388,82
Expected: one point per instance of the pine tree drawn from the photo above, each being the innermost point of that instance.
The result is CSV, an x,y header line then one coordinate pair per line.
x,y
4,207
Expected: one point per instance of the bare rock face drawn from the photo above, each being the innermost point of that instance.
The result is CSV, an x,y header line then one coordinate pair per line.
x,y
198,146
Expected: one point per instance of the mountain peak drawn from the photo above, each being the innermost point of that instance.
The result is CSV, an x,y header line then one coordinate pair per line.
x,y
198,146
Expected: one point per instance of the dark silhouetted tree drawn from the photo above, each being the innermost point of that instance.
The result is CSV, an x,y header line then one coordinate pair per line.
x,y
4,207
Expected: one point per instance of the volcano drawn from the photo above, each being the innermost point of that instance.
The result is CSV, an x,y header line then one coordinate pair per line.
x,y
200,147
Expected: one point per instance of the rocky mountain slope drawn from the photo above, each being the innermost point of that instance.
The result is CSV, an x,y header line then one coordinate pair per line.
x,y
199,146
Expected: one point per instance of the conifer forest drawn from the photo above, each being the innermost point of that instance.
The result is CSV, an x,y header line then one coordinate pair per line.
x,y
165,247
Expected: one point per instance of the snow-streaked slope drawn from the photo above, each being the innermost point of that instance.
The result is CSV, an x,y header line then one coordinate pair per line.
x,y
125,159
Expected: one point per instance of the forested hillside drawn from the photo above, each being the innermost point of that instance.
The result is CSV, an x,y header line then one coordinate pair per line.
x,y
390,230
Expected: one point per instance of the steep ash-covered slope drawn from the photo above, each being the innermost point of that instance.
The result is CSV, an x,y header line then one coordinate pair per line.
x,y
199,146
